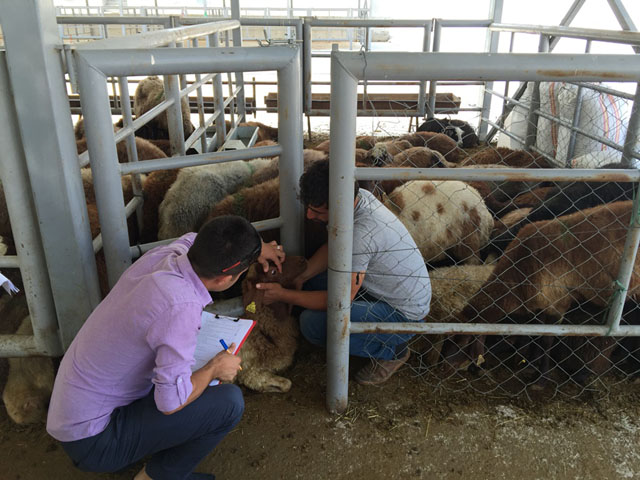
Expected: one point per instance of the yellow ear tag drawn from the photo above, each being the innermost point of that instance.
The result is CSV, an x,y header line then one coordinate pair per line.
x,y
251,308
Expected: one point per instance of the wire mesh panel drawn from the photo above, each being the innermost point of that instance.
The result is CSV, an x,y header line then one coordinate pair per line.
x,y
525,259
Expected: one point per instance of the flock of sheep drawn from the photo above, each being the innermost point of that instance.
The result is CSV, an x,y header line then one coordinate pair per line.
x,y
497,251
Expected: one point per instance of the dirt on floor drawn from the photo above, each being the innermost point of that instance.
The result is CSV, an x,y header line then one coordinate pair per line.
x,y
402,429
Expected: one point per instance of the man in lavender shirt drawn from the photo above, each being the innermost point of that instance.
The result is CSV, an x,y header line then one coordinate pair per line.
x,y
125,389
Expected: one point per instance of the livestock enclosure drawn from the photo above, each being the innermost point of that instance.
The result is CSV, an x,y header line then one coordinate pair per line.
x,y
518,179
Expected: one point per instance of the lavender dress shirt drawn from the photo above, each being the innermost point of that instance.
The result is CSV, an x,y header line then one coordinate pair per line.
x,y
143,334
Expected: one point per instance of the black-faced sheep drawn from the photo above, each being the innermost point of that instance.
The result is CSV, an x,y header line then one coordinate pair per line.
x,y
274,340
148,94
435,141
549,267
567,198
196,189
459,130
29,384
445,218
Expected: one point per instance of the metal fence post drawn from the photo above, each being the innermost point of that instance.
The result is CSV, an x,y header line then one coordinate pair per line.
x,y
532,116
42,107
633,237
422,93
495,13
24,226
341,177
174,114
291,165
218,100
237,42
437,31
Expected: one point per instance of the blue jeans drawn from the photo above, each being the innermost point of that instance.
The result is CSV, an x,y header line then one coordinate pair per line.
x,y
383,346
177,442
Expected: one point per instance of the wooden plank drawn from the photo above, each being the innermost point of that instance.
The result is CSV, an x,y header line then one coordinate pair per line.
x,y
250,102
400,102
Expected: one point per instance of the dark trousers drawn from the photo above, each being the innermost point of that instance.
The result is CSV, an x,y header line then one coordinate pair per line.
x,y
177,442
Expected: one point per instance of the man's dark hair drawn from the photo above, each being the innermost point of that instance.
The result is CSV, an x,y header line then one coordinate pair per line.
x,y
314,184
224,245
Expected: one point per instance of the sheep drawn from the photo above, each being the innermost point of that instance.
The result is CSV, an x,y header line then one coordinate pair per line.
x,y
29,384
274,340
458,130
272,170
146,150
196,189
4,247
154,190
566,198
148,94
265,132
5,223
451,289
508,157
382,153
363,142
548,267
261,202
445,218
417,157
435,141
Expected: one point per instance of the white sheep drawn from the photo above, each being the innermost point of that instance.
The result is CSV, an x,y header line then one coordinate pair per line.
x,y
445,218
187,203
451,289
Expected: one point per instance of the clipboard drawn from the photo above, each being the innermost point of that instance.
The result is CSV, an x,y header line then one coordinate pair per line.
x,y
215,327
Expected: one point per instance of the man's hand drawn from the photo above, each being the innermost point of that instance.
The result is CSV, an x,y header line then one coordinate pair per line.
x,y
274,252
272,292
225,365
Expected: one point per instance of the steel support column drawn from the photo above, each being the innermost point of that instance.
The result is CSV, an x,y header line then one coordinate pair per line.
x,y
43,116
341,177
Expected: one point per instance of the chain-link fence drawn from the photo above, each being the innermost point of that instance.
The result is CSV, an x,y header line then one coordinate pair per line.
x,y
513,252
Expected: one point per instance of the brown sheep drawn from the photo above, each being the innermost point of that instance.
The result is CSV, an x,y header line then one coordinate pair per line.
x,y
435,141
148,94
154,189
272,170
508,157
547,268
363,142
146,150
274,340
29,384
382,153
417,157
265,132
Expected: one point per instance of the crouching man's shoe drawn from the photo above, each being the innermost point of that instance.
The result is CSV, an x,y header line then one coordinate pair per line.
x,y
379,371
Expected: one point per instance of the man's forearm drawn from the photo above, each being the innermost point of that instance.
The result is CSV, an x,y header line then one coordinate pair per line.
x,y
313,300
317,263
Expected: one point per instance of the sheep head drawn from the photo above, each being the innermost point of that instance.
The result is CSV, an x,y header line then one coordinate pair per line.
x,y
291,268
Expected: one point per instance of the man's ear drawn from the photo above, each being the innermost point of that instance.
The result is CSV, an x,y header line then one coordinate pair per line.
x,y
215,284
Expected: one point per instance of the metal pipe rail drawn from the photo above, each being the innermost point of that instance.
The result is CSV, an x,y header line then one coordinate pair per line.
x,y
120,20
611,36
347,69
95,66
160,37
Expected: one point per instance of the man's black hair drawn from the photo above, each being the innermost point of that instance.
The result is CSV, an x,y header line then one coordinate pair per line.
x,y
225,245
314,185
